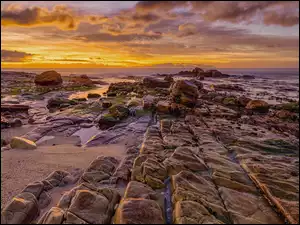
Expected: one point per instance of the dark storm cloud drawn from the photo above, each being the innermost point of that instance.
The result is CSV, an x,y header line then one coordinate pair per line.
x,y
14,56
60,16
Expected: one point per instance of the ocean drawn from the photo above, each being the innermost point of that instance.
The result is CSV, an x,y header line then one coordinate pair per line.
x,y
265,73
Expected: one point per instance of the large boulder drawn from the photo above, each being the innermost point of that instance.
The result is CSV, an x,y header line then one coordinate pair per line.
x,y
258,105
48,78
184,92
22,143
152,82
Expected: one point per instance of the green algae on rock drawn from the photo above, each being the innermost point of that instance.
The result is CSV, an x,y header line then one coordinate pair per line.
x,y
22,143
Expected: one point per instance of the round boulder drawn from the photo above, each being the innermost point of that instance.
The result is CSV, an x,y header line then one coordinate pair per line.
x,y
48,78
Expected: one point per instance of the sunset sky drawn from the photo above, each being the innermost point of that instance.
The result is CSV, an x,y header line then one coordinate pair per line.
x,y
83,34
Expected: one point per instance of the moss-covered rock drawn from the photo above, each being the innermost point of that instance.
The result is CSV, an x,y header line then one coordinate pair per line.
x,y
230,101
291,107
57,102
119,111
93,95
107,120
80,99
96,106
22,143
134,102
286,115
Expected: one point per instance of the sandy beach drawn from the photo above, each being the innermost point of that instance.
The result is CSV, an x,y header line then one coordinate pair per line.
x,y
19,167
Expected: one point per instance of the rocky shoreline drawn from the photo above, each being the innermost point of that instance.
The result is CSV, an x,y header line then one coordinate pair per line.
x,y
195,152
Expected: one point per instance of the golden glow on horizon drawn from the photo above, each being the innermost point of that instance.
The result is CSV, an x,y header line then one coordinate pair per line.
x,y
60,38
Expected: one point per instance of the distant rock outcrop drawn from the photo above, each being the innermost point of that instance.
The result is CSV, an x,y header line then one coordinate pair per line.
x,y
153,82
48,78
197,70
81,80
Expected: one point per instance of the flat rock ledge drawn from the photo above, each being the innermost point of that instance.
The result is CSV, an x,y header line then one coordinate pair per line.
x,y
186,170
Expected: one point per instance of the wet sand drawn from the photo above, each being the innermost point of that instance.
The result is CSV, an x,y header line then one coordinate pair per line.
x,y
9,133
21,167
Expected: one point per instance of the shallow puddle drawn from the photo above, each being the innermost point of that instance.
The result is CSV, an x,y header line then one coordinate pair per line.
x,y
86,134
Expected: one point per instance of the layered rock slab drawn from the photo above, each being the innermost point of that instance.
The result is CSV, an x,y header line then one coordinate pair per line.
x,y
83,204
139,206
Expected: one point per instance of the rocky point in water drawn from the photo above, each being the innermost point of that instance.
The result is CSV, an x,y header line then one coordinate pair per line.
x,y
193,147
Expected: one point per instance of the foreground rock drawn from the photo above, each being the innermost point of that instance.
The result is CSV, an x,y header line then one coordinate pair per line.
x,y
21,210
22,143
139,196
48,78
84,204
